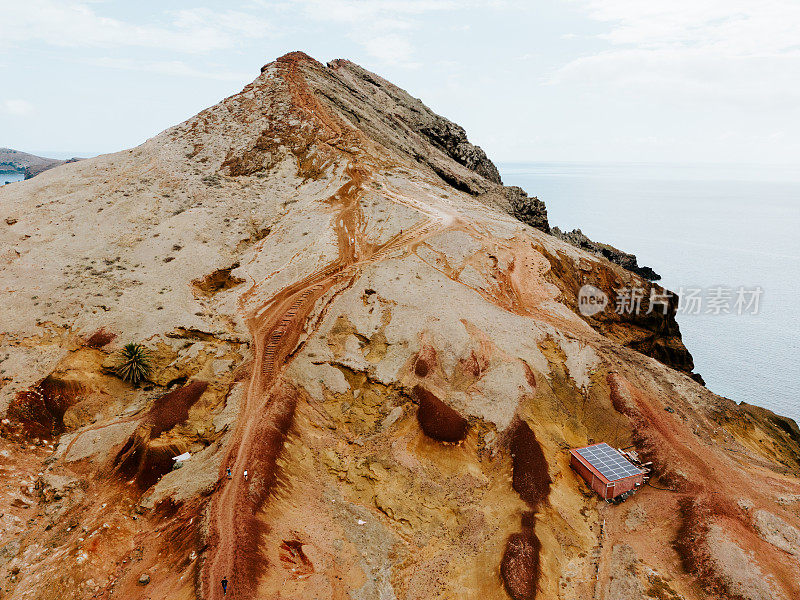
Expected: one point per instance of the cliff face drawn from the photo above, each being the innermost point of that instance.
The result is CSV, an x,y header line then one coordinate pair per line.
x,y
337,301
624,259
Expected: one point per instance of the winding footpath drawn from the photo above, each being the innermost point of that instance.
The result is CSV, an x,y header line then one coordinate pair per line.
x,y
276,326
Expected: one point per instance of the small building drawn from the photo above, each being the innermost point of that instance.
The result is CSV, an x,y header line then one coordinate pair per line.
x,y
607,471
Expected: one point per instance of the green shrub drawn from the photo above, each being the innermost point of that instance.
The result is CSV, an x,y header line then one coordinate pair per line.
x,y
134,363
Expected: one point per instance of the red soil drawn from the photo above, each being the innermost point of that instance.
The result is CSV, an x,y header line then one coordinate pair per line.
x,y
293,557
100,338
529,376
235,538
690,545
40,410
437,420
711,481
474,364
173,408
530,478
520,567
143,462
425,361
421,367
181,529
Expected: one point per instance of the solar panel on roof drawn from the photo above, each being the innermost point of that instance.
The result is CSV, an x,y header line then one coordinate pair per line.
x,y
611,464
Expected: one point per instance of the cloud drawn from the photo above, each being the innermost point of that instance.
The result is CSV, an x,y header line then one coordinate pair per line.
x,y
359,11
77,24
729,27
385,28
16,107
175,68
736,52
390,49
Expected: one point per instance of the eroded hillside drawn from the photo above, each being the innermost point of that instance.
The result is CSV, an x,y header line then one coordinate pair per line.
x,y
339,302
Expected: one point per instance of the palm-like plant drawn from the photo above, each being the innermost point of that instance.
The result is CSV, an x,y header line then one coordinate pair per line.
x,y
134,363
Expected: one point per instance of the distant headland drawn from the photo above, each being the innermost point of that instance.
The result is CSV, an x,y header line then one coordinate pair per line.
x,y
30,165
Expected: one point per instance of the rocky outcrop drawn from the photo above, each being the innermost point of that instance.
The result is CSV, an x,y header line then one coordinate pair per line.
x,y
645,325
452,138
529,210
514,201
627,261
364,374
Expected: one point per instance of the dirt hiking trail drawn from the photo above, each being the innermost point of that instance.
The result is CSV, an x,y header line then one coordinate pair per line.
x,y
276,326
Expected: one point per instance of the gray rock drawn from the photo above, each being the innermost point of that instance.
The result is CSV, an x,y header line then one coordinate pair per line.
x,y
529,210
452,138
627,261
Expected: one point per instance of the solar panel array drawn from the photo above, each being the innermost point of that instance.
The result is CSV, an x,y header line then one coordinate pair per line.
x,y
611,464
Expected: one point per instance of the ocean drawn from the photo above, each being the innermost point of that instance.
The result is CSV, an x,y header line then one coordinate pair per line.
x,y
711,230
11,177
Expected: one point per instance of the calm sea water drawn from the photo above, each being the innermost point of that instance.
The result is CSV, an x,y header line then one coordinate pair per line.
x,y
10,177
700,226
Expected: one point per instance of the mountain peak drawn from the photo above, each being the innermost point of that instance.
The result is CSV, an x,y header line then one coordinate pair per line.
x,y
361,377
296,56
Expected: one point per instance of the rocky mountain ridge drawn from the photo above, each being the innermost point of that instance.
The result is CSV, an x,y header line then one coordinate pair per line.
x,y
624,259
338,300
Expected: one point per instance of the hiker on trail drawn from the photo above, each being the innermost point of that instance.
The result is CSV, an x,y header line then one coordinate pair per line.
x,y
224,586
245,474
228,472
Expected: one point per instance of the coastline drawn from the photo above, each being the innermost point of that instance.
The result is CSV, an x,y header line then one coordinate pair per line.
x,y
29,165
665,214
8,176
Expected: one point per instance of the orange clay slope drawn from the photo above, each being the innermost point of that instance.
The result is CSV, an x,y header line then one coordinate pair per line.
x,y
276,327
338,300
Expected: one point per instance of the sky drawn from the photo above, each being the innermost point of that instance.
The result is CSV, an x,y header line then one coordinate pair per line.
x,y
709,81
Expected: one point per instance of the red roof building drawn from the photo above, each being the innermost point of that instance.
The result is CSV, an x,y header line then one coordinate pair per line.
x,y
606,470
